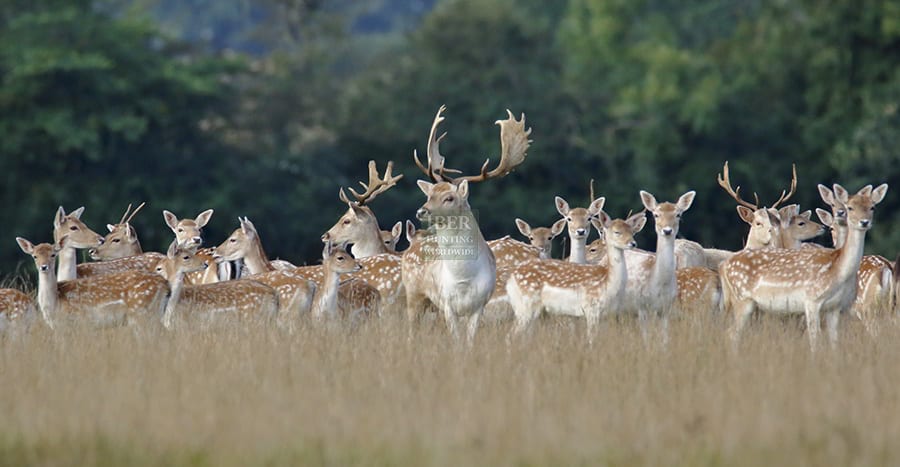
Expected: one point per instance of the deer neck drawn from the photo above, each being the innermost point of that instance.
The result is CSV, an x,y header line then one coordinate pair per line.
x,y
850,254
578,253
256,261
664,263
176,287
369,244
325,299
839,235
66,269
617,273
48,295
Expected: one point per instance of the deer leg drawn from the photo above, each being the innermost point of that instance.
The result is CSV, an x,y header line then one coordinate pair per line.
x,y
742,311
450,318
472,328
813,323
832,319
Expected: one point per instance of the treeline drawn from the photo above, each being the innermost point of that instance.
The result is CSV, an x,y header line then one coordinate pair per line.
x,y
266,108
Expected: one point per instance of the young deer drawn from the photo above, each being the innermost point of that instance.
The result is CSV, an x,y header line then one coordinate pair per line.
x,y
664,288
188,234
875,282
541,237
15,307
240,298
566,288
108,299
811,281
390,237
454,268
358,226
578,221
121,251
336,261
79,236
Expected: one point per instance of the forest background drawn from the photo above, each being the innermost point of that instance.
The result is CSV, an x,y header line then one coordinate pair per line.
x,y
265,108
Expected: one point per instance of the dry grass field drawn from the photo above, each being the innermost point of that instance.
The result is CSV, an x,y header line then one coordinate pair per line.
x,y
238,396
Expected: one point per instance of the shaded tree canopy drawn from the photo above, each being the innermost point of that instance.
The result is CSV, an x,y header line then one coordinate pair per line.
x,y
266,108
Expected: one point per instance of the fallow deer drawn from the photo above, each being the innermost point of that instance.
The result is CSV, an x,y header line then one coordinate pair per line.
x,y
105,300
79,236
578,221
567,288
541,237
121,250
390,237
16,307
358,226
875,282
336,261
189,234
239,298
454,268
808,281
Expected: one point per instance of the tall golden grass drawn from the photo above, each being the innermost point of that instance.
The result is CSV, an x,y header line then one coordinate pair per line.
x,y
237,395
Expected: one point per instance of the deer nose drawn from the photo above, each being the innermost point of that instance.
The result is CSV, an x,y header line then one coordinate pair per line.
x,y
44,267
667,231
100,240
326,237
580,231
197,240
632,244
421,214
865,223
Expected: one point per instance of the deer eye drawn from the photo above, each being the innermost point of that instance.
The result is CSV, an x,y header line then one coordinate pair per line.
x,y
568,219
180,230
655,215
801,224
116,240
346,221
448,199
678,216
74,227
186,258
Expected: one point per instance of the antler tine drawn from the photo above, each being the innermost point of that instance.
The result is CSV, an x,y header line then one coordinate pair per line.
x,y
134,213
376,184
592,191
784,197
127,210
725,183
514,144
435,161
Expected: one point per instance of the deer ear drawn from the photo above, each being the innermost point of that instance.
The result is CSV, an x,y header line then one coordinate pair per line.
x,y
649,200
841,194
25,245
110,227
637,222
825,217
523,226
826,194
806,215
171,219
173,247
410,231
58,218
558,227
562,206
686,200
203,218
597,205
77,213
397,229
879,193
746,214
426,187
463,189
604,219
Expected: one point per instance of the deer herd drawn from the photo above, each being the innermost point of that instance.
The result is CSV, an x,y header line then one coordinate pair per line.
x,y
449,267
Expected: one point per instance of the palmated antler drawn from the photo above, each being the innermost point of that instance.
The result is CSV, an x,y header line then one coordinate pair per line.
x,y
376,185
725,183
127,210
514,144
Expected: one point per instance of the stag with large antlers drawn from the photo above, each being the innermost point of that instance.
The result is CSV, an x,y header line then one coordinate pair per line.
x,y
454,268
358,226
765,223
